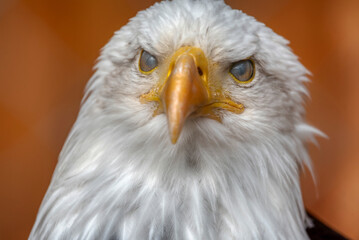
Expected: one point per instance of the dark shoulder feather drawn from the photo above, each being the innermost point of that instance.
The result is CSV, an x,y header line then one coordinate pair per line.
x,y
320,231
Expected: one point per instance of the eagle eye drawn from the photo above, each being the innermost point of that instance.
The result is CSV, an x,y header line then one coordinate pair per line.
x,y
147,62
242,71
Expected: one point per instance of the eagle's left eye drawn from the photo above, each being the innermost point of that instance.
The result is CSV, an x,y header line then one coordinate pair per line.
x,y
147,62
242,71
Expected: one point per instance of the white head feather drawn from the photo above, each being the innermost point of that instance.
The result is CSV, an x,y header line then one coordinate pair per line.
x,y
120,177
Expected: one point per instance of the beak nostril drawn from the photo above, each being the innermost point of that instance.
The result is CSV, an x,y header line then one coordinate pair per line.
x,y
200,72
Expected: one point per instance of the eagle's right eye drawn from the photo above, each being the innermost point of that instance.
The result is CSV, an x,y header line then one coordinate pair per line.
x,y
147,63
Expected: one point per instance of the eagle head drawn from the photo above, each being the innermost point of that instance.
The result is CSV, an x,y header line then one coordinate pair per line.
x,y
191,128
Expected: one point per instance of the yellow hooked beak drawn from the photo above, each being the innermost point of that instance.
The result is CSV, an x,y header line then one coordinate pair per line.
x,y
186,92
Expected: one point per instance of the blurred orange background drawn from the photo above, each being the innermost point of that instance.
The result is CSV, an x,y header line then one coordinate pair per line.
x,y
48,49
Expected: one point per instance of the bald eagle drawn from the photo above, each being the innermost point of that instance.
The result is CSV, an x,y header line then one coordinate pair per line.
x,y
192,127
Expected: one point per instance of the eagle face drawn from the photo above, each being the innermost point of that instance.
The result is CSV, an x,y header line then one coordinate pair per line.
x,y
191,128
269,100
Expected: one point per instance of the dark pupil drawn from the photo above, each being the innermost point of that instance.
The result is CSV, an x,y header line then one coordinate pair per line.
x,y
148,62
242,70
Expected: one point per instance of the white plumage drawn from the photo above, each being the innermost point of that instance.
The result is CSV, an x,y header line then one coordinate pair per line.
x,y
120,177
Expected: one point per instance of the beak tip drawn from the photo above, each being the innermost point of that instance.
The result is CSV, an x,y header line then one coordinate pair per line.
x,y
173,140
174,136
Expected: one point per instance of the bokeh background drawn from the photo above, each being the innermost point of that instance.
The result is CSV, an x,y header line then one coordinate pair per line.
x,y
48,49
